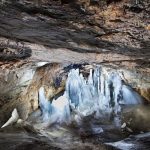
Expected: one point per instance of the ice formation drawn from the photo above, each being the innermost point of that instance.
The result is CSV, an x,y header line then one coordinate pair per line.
x,y
130,96
45,105
99,94
14,117
57,111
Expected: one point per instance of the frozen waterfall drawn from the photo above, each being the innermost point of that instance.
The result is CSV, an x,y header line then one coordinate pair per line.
x,y
101,93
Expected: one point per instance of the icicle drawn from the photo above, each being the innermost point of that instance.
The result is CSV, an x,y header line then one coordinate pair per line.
x,y
107,90
117,84
90,78
96,79
116,87
73,86
102,85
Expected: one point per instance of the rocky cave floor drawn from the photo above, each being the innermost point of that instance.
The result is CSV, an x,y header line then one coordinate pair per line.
x,y
35,136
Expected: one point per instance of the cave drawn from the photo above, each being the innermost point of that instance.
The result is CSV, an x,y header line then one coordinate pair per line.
x,y
74,77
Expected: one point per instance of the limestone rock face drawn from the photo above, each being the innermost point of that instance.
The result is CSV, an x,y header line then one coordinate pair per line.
x,y
38,41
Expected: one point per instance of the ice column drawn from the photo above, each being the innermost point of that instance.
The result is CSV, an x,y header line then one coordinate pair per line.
x,y
44,104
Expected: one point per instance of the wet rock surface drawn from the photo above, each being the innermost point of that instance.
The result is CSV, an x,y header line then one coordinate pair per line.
x,y
19,139
137,142
16,138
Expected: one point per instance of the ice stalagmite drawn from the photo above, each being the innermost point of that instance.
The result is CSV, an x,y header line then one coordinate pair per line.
x,y
14,117
45,105
130,96
56,111
61,109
